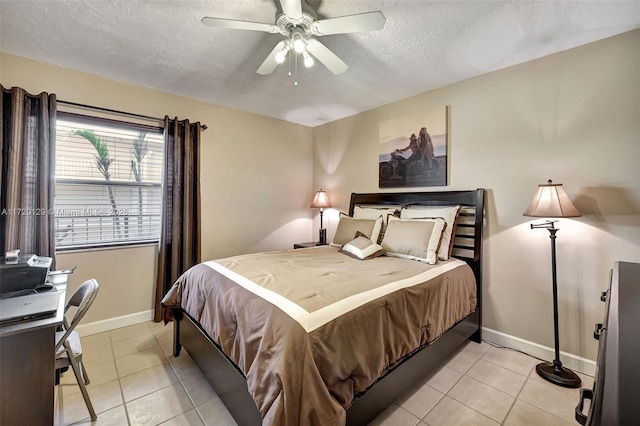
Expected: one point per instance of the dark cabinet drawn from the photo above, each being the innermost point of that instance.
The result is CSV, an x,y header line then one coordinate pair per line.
x,y
615,397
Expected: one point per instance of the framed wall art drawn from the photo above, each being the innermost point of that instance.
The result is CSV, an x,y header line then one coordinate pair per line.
x,y
413,149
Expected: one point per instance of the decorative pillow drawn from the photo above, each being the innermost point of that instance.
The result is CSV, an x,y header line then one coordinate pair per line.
x,y
362,248
348,226
417,239
449,214
374,213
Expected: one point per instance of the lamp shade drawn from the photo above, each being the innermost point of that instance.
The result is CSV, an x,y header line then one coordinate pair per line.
x,y
320,200
551,200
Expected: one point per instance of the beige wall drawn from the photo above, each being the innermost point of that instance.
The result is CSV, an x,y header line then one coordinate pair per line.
x,y
256,180
126,278
573,117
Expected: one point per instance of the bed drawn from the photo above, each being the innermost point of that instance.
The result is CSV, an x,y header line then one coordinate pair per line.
x,y
322,352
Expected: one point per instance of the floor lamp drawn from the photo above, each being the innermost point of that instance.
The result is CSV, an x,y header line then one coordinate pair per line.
x,y
321,201
551,201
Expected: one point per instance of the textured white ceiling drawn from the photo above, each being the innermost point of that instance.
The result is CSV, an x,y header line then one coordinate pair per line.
x,y
425,45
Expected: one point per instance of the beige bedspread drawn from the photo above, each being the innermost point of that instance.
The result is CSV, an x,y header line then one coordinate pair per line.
x,y
313,328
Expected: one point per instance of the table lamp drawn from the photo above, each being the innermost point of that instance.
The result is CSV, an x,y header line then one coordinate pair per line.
x,y
551,201
321,201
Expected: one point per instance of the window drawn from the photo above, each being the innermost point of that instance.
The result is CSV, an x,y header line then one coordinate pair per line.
x,y
108,177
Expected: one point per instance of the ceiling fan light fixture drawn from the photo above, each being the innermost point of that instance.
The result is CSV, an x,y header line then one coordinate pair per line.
x,y
308,60
281,56
299,44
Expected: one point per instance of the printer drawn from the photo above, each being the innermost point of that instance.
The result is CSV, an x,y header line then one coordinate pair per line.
x,y
23,272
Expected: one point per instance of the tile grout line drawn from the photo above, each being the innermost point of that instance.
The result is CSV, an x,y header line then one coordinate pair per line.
x,y
124,402
195,407
526,378
506,368
167,361
457,381
181,384
529,377
500,390
409,412
153,366
448,390
110,342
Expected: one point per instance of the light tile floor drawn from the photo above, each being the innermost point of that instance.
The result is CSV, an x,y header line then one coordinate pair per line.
x,y
135,380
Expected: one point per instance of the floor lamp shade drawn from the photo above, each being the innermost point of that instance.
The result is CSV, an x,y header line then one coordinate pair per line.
x,y
551,201
321,201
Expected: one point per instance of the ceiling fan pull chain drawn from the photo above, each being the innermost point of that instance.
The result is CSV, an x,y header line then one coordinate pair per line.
x,y
295,83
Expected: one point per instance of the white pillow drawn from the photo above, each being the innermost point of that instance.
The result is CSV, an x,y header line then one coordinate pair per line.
x,y
362,248
449,214
417,239
348,226
373,213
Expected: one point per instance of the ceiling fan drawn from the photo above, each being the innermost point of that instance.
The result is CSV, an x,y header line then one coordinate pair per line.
x,y
297,21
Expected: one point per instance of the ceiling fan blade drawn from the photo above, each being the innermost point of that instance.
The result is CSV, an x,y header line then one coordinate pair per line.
x,y
239,25
370,21
270,63
292,8
326,57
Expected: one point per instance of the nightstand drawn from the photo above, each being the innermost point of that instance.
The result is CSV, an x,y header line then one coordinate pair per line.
x,y
305,245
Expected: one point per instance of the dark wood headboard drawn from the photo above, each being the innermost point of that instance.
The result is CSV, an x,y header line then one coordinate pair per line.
x,y
467,243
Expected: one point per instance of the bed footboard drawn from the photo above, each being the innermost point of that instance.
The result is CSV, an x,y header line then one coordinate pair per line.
x,y
231,386
413,371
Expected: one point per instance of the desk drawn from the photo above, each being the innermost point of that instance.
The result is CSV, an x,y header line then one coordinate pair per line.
x,y
27,367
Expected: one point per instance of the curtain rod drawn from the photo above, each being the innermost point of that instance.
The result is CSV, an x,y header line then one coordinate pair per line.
x,y
204,126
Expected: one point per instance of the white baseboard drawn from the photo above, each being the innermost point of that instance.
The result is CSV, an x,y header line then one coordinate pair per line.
x,y
571,361
113,323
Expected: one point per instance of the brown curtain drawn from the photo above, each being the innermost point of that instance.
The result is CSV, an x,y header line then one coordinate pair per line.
x,y
27,155
180,232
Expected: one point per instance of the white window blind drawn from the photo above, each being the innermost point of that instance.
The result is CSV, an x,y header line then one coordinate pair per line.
x,y
108,178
